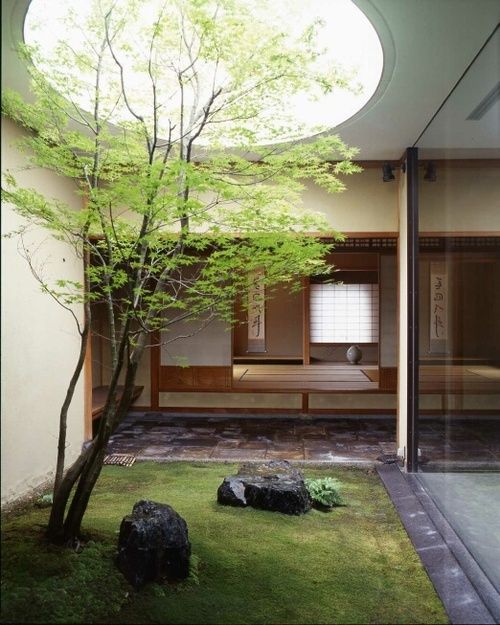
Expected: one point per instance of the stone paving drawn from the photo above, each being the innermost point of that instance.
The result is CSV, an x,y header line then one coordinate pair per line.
x,y
349,440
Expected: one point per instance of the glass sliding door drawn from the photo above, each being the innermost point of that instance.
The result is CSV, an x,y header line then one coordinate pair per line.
x,y
457,425
459,273
459,341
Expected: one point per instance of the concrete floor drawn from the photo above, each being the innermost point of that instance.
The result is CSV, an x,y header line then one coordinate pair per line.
x,y
470,502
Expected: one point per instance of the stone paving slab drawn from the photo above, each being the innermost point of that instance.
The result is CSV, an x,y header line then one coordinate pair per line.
x,y
356,440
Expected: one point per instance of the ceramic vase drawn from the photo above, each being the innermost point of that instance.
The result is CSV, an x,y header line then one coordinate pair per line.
x,y
354,354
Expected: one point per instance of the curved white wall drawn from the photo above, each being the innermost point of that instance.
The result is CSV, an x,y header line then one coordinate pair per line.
x,y
39,342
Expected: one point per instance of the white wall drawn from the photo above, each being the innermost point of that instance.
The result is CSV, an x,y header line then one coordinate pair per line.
x,y
210,346
39,342
368,204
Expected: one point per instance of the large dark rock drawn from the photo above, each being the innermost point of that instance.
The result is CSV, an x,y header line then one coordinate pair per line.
x,y
153,544
274,485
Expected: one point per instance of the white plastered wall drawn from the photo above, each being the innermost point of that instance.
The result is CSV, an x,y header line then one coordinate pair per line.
x,y
367,205
209,346
39,341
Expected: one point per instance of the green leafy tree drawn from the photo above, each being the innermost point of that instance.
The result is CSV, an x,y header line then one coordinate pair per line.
x,y
160,116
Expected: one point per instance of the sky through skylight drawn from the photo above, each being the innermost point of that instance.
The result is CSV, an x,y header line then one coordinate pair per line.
x,y
346,36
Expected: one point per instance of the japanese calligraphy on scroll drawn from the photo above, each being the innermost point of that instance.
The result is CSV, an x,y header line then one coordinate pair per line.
x,y
256,313
438,307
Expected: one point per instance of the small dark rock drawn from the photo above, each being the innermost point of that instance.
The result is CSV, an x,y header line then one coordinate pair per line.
x,y
274,486
153,544
388,458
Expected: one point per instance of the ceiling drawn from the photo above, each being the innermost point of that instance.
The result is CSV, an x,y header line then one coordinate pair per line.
x,y
441,60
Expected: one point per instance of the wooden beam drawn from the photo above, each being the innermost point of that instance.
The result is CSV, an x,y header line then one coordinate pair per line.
x,y
306,317
155,370
87,393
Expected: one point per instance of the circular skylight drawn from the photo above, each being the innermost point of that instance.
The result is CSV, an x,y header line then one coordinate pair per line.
x,y
347,44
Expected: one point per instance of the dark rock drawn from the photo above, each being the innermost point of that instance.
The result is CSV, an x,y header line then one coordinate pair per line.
x,y
232,492
274,486
153,544
388,458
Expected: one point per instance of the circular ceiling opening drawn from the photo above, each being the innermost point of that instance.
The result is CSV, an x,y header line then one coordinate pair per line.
x,y
346,41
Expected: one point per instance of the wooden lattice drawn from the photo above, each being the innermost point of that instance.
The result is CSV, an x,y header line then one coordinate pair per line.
x,y
125,460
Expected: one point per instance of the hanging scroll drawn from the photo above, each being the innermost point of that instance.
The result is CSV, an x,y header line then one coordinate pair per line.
x,y
438,326
256,313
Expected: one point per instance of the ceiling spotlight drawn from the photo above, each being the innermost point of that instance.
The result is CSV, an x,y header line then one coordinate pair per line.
x,y
387,172
430,171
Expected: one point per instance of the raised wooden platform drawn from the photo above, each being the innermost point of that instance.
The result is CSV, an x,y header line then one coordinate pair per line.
x,y
434,379
304,377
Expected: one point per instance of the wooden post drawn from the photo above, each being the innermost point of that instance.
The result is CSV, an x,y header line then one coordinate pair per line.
x,y
306,352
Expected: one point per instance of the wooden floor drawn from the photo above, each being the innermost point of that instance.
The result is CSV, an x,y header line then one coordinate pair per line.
x,y
459,379
306,377
463,379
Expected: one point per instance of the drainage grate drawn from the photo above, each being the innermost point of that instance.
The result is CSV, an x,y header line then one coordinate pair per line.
x,y
125,460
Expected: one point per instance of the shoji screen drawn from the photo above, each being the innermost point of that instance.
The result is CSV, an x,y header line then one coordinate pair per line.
x,y
344,313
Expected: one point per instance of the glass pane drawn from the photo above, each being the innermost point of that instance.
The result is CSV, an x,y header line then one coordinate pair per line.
x,y
459,311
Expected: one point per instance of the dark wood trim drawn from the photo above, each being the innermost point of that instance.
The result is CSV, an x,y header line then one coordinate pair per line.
x,y
388,379
231,411
461,233
274,390
87,368
101,350
378,234
412,311
306,320
379,333
87,397
232,343
355,411
305,402
323,411
454,163
195,378
460,412
267,359
463,163
155,369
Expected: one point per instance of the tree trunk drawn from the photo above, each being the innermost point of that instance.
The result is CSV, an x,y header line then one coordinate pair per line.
x,y
87,469
86,483
55,527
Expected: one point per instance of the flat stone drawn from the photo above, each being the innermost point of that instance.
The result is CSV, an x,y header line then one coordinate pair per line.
x,y
274,486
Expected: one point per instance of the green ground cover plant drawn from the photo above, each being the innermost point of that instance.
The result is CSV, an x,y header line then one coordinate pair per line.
x,y
353,565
